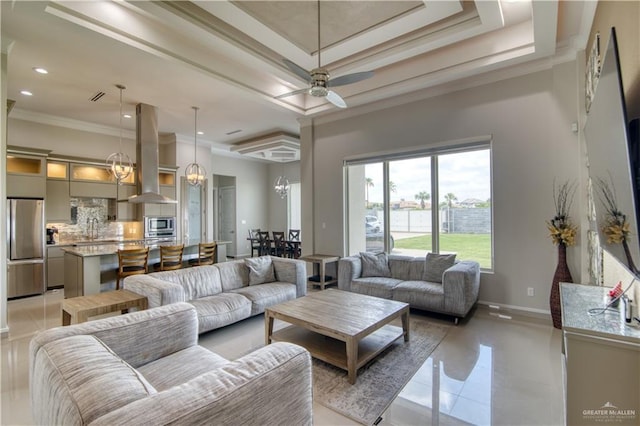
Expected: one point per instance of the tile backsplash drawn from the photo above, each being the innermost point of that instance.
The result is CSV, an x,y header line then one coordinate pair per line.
x,y
93,218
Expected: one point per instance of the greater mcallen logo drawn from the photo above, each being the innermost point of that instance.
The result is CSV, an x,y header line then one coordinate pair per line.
x,y
609,413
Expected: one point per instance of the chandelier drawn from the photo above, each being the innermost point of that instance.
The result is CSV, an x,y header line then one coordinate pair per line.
x,y
119,163
281,186
194,172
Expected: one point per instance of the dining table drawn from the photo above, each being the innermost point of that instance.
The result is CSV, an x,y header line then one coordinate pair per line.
x,y
293,246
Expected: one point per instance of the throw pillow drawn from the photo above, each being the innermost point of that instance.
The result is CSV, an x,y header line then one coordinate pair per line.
x,y
260,270
375,265
435,265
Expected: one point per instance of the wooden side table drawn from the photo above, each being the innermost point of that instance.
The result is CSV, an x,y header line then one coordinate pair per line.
x,y
321,260
79,309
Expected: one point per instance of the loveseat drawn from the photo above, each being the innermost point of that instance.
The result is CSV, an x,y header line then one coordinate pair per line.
x,y
226,292
436,283
147,368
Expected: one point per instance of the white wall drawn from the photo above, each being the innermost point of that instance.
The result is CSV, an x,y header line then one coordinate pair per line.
x,y
252,195
530,119
278,207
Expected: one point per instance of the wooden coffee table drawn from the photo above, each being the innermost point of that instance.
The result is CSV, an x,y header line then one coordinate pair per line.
x,y
338,327
79,309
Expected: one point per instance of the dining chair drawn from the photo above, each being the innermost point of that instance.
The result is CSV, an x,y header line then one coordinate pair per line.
x,y
264,242
293,244
279,245
207,254
294,234
170,258
131,262
254,239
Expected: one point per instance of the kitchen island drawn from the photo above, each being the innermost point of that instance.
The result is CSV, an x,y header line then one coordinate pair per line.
x,y
91,267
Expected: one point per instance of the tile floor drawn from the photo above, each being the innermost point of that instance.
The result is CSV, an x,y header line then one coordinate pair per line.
x,y
488,370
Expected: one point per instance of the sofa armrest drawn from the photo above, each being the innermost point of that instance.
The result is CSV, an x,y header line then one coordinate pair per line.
x,y
269,386
349,268
461,284
133,337
291,271
158,292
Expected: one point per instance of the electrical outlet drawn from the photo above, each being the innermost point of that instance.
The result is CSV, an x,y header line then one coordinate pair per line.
x,y
530,291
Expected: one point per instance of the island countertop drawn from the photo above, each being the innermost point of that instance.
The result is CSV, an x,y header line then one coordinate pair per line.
x,y
92,268
110,248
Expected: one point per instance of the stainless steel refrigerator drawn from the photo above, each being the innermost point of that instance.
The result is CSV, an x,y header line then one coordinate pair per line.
x,y
26,247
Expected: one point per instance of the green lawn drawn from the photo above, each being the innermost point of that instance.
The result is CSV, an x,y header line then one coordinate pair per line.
x,y
467,246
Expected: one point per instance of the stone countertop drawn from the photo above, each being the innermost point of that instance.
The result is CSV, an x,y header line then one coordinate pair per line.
x,y
578,300
111,248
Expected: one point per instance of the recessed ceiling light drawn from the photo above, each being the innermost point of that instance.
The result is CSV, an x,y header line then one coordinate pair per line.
x,y
126,115
200,132
41,70
26,93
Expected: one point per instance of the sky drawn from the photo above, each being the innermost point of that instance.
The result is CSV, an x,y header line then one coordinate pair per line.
x,y
466,175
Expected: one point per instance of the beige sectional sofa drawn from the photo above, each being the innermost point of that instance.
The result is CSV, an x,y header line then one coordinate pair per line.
x,y
146,368
226,292
424,283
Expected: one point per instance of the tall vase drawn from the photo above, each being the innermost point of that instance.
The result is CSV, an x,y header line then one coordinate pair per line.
x,y
562,275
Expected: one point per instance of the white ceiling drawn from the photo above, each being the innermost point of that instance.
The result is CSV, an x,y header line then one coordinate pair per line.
x,y
226,57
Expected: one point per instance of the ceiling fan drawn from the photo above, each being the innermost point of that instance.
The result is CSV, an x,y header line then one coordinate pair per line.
x,y
319,81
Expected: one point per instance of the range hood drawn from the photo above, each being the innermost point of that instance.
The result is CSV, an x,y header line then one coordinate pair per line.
x,y
147,143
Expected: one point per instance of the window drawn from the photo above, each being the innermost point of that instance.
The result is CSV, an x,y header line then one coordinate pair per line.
x,y
436,200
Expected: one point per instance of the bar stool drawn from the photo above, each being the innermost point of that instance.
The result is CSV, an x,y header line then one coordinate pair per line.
x,y
131,262
170,258
207,254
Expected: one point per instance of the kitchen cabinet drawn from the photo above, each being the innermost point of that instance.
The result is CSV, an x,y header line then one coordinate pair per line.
x,y
126,211
94,181
57,201
93,190
55,267
25,174
167,180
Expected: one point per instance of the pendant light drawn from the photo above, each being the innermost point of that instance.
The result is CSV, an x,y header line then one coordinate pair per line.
x,y
119,163
194,172
281,185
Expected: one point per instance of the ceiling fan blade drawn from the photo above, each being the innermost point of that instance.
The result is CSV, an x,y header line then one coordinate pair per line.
x,y
298,70
295,92
350,78
335,99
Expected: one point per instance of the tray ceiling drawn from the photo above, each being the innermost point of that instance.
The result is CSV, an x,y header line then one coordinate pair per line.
x,y
226,56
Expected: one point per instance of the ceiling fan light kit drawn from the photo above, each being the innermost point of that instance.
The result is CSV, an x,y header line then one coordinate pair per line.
x,y
319,80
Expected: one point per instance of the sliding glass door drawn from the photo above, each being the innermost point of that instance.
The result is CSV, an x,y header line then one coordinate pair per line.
x,y
436,200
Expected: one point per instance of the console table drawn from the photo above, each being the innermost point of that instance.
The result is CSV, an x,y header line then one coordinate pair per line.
x,y
321,260
601,359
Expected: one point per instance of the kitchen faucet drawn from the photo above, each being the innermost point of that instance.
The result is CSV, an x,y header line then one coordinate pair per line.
x,y
92,228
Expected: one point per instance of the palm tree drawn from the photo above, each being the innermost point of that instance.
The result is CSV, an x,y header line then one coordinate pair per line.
x,y
392,187
423,196
450,198
368,184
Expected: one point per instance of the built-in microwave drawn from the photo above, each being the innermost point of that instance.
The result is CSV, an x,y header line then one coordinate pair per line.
x,y
159,226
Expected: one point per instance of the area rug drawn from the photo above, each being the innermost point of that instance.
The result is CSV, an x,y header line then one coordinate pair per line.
x,y
380,381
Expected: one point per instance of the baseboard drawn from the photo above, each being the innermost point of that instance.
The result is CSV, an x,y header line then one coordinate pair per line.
x,y
541,314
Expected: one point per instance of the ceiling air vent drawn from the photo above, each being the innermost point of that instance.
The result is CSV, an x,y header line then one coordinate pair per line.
x,y
97,96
